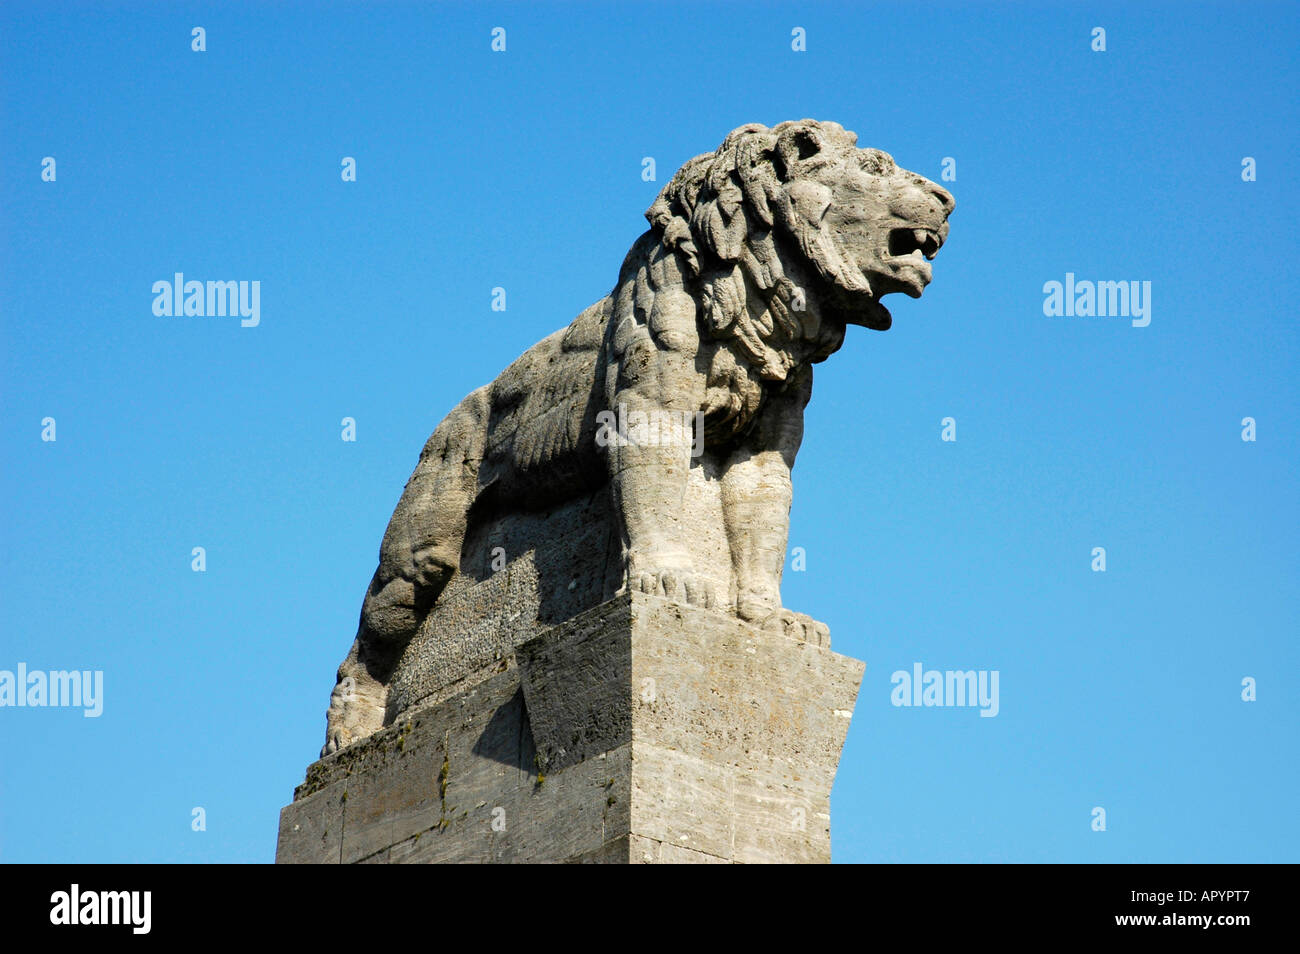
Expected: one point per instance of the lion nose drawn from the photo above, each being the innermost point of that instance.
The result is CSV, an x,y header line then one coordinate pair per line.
x,y
946,201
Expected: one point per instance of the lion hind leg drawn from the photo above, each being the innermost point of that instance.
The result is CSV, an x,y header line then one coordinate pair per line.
x,y
440,493
359,700
417,559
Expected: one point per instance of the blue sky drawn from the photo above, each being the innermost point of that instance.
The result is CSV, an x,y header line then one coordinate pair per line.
x,y
522,170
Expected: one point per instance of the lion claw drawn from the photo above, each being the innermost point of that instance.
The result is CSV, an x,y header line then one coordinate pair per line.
x,y
681,586
336,738
798,626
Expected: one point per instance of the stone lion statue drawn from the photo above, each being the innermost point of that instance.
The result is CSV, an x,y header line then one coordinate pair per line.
x,y
758,257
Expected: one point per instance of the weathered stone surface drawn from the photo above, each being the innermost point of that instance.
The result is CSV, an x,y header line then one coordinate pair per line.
x,y
648,446
311,827
639,731
574,646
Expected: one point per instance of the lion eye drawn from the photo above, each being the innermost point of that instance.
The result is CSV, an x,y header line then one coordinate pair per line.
x,y
876,162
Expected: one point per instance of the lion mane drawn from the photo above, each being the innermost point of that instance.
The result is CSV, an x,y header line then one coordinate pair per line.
x,y
719,213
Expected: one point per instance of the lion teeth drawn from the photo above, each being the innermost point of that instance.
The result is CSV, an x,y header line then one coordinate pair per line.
x,y
927,243
914,243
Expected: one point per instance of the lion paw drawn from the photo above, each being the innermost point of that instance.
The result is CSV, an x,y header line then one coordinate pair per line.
x,y
683,586
339,727
352,715
798,626
336,737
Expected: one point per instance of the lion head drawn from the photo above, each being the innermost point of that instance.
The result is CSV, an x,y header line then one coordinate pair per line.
x,y
794,233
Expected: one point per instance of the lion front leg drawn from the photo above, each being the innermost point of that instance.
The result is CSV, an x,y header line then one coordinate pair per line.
x,y
419,555
756,496
648,491
648,439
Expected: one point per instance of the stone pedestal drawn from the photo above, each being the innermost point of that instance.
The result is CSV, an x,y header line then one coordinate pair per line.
x,y
640,730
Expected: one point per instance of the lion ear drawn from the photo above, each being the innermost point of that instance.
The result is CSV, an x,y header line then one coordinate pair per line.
x,y
798,143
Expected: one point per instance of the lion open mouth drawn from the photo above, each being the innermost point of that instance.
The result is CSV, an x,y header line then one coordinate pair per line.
x,y
906,241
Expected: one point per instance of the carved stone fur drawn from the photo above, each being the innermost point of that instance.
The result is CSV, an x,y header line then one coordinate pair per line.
x,y
759,256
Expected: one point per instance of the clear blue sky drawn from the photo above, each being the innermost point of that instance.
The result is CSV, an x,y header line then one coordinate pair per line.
x,y
523,170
